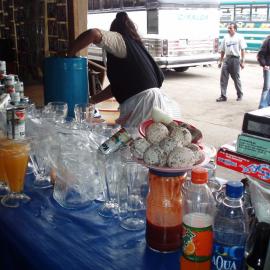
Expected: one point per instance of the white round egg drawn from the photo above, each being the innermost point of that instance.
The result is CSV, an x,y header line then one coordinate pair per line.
x,y
180,157
156,132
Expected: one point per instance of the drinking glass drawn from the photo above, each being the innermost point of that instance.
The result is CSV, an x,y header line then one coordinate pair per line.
x,y
15,156
41,164
58,110
76,185
3,177
84,112
113,174
132,210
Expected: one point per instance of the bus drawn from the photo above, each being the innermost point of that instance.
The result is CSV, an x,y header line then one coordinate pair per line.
x,y
178,34
252,18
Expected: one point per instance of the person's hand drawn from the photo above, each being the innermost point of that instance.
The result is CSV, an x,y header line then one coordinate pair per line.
x,y
219,64
242,65
266,68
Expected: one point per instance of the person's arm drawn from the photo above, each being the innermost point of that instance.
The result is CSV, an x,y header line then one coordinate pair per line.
x,y
242,61
84,39
101,96
222,53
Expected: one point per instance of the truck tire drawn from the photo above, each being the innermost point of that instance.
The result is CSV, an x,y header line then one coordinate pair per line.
x,y
181,69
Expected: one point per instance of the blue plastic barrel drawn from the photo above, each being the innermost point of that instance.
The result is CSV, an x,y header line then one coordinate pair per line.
x,y
66,79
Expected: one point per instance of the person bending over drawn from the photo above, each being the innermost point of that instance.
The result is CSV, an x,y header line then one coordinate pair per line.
x,y
135,78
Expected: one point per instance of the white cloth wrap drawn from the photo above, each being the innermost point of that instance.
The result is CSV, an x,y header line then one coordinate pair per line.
x,y
139,107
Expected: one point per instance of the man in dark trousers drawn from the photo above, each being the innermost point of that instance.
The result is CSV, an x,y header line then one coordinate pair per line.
x,y
233,48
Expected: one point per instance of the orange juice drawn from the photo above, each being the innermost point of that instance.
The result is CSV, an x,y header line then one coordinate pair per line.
x,y
15,157
3,142
3,176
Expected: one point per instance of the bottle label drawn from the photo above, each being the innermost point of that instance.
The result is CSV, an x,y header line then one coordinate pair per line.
x,y
227,257
120,138
197,243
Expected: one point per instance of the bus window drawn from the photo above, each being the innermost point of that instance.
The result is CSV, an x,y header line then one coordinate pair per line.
x,y
140,3
259,13
227,14
152,21
128,3
116,3
107,4
93,4
242,13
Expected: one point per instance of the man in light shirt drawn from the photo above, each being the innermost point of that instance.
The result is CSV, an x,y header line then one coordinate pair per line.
x,y
231,60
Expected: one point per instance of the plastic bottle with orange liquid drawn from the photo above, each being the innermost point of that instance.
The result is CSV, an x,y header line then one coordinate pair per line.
x,y
164,211
198,211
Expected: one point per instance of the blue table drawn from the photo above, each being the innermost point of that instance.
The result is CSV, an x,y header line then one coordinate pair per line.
x,y
43,235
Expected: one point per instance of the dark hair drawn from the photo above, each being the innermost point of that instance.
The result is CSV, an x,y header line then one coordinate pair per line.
x,y
125,26
234,25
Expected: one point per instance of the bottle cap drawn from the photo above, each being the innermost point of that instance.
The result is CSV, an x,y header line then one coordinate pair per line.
x,y
199,175
234,189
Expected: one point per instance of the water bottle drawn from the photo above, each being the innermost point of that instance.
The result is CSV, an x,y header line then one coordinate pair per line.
x,y
198,210
230,230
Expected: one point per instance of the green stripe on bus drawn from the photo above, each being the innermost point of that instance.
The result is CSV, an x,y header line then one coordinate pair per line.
x,y
242,2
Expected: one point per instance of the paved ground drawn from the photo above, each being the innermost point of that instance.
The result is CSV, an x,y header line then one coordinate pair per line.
x,y
196,91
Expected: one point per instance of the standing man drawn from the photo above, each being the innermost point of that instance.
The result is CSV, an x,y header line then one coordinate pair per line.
x,y
233,48
263,57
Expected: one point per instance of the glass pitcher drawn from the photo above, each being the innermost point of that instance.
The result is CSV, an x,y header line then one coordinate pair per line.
x,y
164,211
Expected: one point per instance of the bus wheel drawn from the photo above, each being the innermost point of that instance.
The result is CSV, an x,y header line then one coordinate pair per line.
x,y
181,69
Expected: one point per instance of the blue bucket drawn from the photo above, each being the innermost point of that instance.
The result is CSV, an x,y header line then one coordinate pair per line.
x,y
66,79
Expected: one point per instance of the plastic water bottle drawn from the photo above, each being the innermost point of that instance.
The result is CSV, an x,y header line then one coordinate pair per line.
x,y
198,210
230,230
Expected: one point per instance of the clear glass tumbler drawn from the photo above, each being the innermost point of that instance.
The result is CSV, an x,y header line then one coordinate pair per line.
x,y
15,155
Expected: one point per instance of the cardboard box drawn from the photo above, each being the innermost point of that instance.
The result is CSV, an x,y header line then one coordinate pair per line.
x,y
228,157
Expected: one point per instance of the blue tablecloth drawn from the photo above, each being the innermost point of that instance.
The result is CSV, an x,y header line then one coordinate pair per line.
x,y
43,235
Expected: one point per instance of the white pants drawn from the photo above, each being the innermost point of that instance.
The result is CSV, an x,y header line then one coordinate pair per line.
x,y
139,107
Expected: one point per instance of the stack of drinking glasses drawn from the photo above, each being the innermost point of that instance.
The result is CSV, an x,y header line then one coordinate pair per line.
x,y
126,190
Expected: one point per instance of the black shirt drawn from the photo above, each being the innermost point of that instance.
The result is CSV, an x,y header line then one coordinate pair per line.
x,y
263,55
133,74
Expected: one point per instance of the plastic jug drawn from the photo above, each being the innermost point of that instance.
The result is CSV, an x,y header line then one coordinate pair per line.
x,y
66,79
164,211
